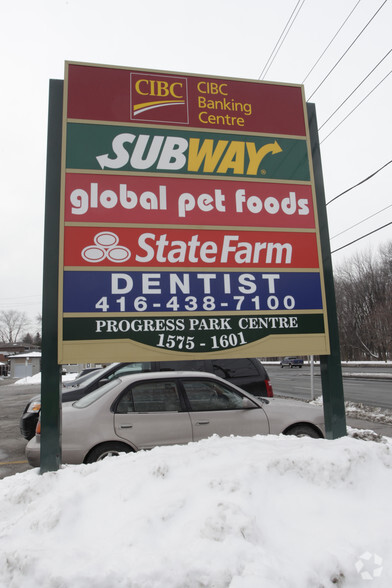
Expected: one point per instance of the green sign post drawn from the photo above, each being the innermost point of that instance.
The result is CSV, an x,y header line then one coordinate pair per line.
x,y
331,369
50,458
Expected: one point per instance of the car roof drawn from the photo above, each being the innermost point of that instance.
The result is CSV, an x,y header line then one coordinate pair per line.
x,y
169,375
129,379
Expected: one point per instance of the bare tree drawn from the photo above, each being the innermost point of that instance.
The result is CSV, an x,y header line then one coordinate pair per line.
x,y
363,291
12,325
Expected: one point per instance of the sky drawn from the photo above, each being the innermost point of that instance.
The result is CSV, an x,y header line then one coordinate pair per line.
x,y
216,37
234,512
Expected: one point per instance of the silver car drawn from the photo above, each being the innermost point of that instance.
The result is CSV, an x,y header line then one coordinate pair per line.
x,y
144,410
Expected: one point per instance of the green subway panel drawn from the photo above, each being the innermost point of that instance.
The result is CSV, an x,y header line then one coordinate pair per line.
x,y
146,150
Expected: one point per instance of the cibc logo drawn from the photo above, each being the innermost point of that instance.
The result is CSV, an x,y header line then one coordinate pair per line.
x,y
159,98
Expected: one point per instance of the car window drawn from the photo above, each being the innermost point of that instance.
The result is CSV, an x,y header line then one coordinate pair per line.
x,y
150,397
98,393
131,368
234,368
209,395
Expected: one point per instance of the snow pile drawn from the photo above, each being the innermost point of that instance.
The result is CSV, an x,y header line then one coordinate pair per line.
x,y
362,411
274,512
37,379
371,413
372,375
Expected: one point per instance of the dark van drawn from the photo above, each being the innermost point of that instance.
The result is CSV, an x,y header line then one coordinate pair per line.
x,y
292,362
248,374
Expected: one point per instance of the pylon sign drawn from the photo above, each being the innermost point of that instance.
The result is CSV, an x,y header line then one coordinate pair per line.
x,y
188,219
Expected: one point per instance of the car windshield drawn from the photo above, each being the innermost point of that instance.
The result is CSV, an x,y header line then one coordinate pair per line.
x,y
135,367
86,380
96,394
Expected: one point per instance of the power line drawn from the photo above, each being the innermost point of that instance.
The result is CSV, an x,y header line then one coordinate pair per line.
x,y
288,25
360,222
359,183
363,236
357,106
330,43
347,50
288,30
360,84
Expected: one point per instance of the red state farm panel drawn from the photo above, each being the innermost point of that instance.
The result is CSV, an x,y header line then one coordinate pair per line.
x,y
152,200
174,248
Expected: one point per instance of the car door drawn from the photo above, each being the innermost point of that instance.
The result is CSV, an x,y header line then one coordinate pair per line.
x,y
150,413
216,408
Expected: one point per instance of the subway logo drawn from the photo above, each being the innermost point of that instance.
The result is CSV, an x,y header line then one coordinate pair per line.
x,y
137,149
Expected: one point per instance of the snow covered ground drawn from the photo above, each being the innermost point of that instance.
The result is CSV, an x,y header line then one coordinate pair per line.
x,y
273,512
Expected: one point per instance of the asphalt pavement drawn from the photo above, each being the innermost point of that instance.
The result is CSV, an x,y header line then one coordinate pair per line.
x,y
13,399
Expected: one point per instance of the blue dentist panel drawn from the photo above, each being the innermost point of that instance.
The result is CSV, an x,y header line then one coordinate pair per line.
x,y
108,291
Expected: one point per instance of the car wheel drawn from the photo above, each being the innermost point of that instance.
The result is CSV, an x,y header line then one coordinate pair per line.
x,y
106,450
303,431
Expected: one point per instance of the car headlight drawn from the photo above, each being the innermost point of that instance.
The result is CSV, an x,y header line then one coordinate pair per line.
x,y
34,406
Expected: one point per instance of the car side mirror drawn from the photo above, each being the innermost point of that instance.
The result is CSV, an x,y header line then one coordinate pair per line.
x,y
247,403
102,382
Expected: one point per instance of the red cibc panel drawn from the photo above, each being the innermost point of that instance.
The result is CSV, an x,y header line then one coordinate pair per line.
x,y
126,95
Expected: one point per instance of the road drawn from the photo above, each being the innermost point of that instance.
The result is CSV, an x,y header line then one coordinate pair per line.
x,y
368,388
13,399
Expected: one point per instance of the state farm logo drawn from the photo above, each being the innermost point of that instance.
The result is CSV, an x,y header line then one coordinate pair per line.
x,y
159,98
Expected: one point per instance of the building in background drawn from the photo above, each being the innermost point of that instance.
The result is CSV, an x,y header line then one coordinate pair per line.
x,y
24,365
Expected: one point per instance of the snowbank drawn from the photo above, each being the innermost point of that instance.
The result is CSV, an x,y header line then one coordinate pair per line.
x,y
273,512
29,380
37,379
375,363
362,411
